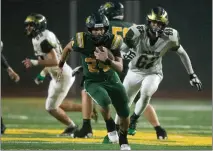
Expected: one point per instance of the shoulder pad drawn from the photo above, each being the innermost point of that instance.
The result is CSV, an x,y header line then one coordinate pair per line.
x,y
116,42
80,39
50,38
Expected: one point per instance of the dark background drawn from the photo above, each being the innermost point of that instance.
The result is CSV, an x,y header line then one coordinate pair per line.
x,y
193,20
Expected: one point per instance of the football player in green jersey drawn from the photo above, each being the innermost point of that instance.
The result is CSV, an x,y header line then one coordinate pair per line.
x,y
101,80
115,13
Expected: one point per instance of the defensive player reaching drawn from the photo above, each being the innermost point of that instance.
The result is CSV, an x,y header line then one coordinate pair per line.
x,y
150,42
115,13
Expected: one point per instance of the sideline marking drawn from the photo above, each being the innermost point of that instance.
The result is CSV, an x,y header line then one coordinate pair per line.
x,y
140,138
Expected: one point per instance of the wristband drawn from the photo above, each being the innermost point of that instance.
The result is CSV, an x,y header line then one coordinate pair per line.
x,y
34,62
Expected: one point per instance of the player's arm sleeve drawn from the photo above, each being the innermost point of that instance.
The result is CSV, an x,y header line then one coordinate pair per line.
x,y
4,62
46,46
175,39
185,60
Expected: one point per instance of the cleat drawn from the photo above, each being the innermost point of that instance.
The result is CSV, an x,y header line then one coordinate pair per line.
x,y
132,128
106,140
125,147
69,131
131,131
83,133
113,137
161,134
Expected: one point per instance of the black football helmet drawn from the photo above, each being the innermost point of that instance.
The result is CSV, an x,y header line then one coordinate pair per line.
x,y
38,22
97,20
113,10
159,15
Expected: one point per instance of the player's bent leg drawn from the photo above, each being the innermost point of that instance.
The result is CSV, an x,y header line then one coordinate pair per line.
x,y
86,129
148,88
152,117
110,125
70,106
123,131
88,108
56,94
132,84
118,92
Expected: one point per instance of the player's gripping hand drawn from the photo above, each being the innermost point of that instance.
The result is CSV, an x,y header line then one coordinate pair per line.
x,y
101,53
194,81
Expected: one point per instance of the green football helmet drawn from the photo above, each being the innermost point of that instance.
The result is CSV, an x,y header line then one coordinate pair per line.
x,y
113,10
97,20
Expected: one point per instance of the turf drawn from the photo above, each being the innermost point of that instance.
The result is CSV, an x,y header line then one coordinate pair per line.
x,y
29,126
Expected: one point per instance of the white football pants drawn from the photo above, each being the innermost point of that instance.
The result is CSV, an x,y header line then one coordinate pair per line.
x,y
58,90
147,84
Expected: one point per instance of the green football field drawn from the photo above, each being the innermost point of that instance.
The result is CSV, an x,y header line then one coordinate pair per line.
x,y
30,127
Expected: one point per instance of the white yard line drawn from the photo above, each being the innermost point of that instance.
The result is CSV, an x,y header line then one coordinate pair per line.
x,y
183,107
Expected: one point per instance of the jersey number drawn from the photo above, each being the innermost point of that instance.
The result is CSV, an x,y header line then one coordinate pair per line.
x,y
145,62
94,65
115,31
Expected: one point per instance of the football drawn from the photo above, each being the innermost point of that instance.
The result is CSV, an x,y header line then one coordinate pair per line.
x,y
110,54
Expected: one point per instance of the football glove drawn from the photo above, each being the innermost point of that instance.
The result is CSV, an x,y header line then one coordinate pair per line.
x,y
129,55
77,70
194,81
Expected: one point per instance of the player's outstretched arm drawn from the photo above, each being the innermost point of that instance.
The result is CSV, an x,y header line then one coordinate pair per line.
x,y
194,80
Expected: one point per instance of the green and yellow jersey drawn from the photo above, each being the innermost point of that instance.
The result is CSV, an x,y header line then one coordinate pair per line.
x,y
119,27
94,69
